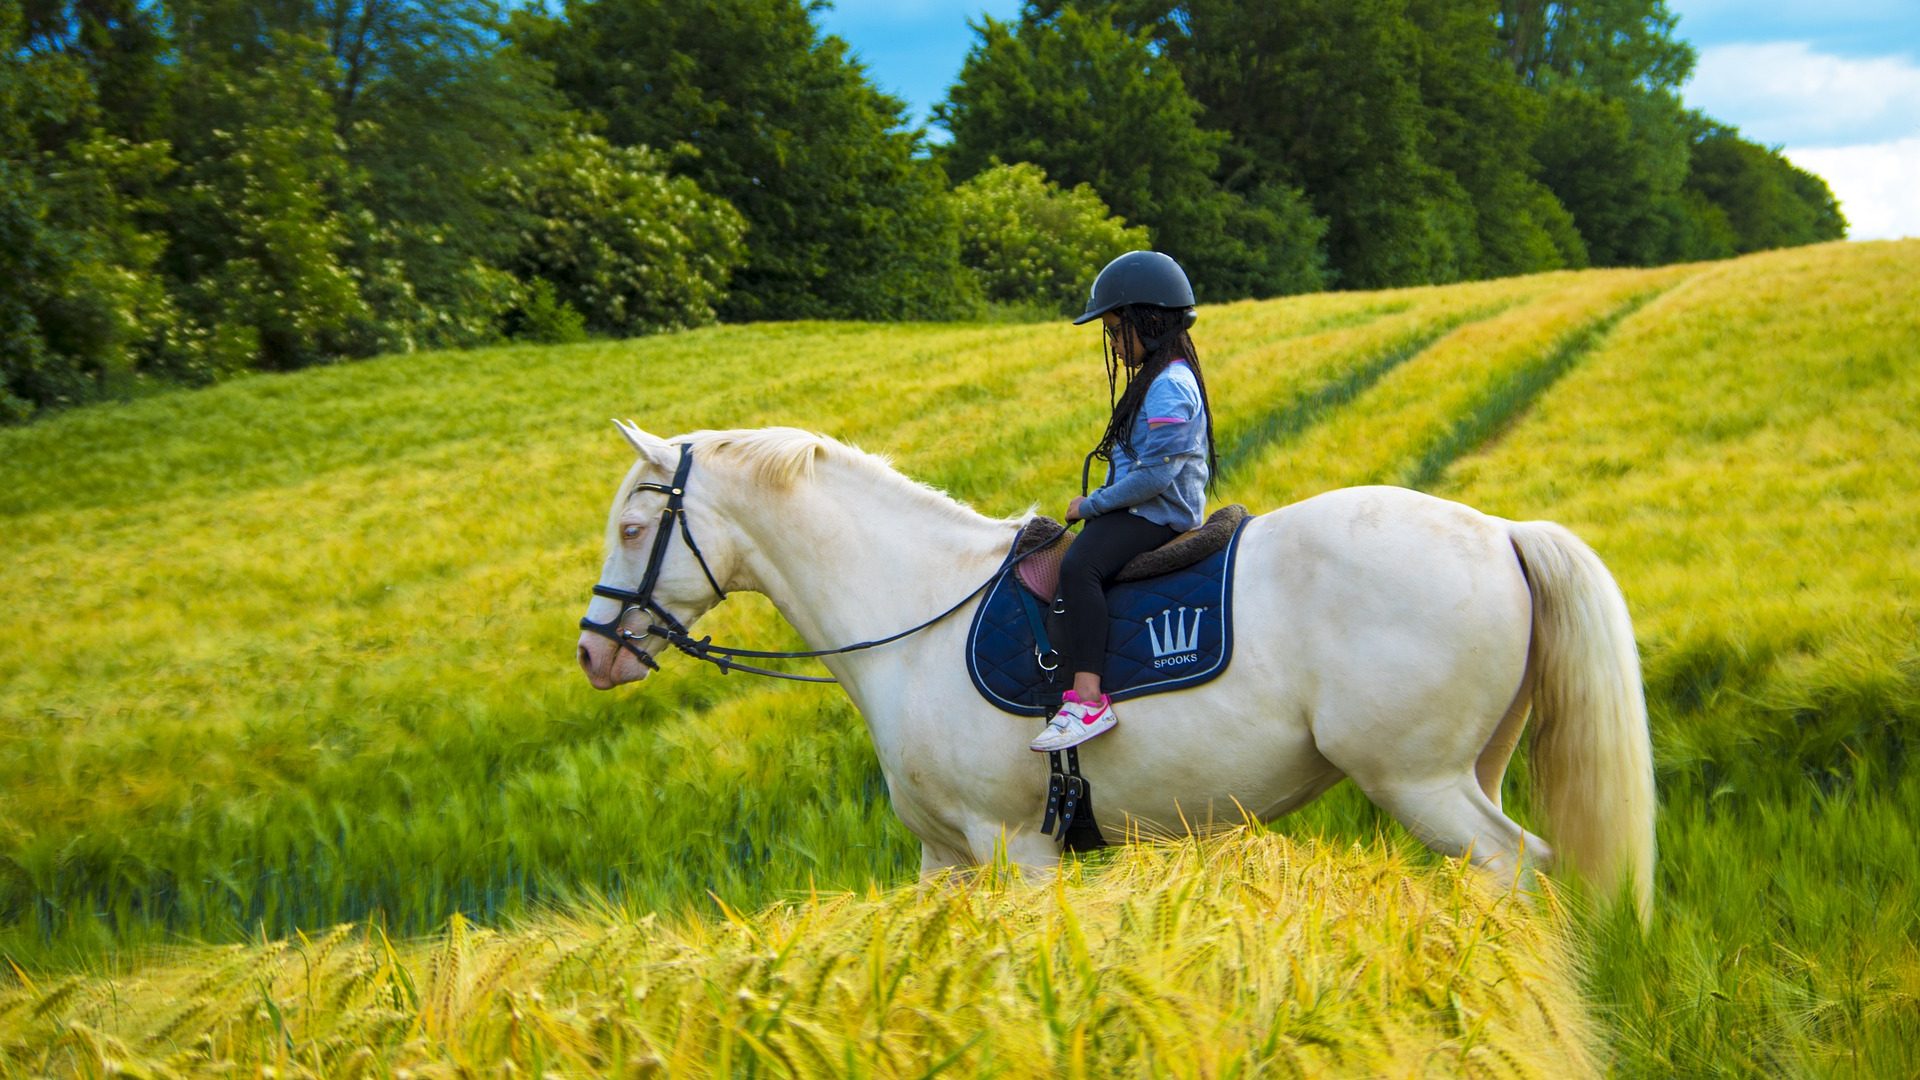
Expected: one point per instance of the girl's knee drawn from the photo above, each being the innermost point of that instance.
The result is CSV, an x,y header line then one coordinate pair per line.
x,y
1081,567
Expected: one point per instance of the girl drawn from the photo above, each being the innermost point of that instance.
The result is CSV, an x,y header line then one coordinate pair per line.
x,y
1158,447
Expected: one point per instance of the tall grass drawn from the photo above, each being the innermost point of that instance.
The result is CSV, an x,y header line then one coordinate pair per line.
x,y
1742,450
296,650
1248,955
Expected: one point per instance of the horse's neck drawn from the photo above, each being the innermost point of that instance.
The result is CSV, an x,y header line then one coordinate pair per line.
x,y
846,559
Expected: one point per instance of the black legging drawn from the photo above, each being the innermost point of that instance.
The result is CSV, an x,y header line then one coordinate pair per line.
x,y
1106,543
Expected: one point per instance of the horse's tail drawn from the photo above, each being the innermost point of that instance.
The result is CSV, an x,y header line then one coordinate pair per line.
x,y
1592,758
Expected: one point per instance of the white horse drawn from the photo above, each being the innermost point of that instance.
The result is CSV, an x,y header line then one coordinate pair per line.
x,y
1382,634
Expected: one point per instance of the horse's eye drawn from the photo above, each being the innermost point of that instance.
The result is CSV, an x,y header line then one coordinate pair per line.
x,y
631,532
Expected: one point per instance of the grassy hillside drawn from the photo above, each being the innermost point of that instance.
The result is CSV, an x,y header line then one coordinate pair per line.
x,y
297,650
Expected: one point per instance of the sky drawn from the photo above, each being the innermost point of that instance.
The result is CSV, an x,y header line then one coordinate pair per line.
x,y
1834,84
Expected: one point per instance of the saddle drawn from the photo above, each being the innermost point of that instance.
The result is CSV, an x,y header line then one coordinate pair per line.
x,y
1048,541
1170,619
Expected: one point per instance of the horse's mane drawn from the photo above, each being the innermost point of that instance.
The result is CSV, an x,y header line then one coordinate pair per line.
x,y
781,458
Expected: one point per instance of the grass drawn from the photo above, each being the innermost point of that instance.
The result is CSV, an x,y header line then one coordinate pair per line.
x,y
1742,451
1249,955
296,650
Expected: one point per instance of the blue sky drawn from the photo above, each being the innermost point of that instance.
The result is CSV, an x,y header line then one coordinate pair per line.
x,y
1835,84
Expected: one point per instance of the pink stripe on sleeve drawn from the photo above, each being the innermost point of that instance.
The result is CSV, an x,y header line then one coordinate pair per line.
x,y
1166,420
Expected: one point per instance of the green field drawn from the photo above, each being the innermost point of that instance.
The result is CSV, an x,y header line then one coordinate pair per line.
x,y
297,650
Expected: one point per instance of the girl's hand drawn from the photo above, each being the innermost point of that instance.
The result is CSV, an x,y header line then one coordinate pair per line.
x,y
1073,510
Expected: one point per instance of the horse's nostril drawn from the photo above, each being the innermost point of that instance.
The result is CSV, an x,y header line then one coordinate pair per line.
x,y
586,658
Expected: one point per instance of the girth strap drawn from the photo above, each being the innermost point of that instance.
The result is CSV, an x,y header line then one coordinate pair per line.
x,y
1044,654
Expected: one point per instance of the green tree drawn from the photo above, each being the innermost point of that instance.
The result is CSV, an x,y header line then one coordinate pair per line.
x,y
257,241
1615,145
1767,201
754,105
629,248
424,96
1325,96
1611,47
424,102
1029,241
1093,103
1482,122
80,307
120,47
1618,164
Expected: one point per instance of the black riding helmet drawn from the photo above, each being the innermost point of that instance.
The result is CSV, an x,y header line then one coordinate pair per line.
x,y
1139,277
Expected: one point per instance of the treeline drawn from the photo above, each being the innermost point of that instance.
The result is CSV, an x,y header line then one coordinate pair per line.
x,y
1280,146
190,188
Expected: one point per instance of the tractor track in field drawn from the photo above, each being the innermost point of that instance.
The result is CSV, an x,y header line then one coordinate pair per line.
x,y
1506,402
1292,420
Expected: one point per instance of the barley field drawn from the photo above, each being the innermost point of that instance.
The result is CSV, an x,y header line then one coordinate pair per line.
x,y
297,772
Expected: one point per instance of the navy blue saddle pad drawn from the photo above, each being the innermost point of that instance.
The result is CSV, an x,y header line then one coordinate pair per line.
x,y
1165,633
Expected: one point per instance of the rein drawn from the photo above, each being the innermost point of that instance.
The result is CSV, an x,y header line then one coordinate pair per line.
x,y
676,634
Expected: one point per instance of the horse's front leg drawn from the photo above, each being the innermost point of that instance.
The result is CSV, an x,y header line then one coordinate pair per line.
x,y
935,858
1037,855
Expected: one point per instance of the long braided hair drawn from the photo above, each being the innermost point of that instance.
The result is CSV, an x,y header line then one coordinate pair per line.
x,y
1162,333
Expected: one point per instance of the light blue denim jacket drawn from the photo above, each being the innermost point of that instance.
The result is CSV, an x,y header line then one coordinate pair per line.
x,y
1164,479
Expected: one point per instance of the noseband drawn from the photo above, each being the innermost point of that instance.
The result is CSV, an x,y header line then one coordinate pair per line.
x,y
675,633
641,599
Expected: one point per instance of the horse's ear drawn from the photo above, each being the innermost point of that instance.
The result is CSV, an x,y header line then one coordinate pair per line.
x,y
651,447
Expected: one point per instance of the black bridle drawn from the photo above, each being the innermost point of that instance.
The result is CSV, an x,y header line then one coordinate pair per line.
x,y
675,633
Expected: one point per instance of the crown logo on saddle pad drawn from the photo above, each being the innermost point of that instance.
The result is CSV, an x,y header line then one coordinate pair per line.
x,y
1175,635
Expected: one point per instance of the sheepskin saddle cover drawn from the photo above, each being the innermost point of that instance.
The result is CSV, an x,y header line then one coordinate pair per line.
x,y
1048,540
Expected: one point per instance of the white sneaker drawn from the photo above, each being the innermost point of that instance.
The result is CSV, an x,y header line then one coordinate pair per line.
x,y
1075,723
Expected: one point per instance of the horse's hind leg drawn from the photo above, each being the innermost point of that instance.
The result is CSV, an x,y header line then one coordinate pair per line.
x,y
1491,766
1456,818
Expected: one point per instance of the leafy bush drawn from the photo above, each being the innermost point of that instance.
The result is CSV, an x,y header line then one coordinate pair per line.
x,y
631,249
1026,240
546,318
80,311
258,245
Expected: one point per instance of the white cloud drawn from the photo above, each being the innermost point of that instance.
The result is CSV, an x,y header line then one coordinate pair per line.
x,y
1785,92
1878,185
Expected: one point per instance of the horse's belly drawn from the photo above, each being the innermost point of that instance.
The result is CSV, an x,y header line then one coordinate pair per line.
x,y
1202,758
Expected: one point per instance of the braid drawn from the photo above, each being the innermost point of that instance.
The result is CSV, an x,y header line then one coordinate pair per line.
x,y
1163,332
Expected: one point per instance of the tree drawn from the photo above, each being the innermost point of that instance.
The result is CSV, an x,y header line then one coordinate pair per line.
x,y
1615,145
423,101
1612,47
424,95
1325,95
750,102
1092,103
1028,241
80,306
630,249
1088,103
258,244
1767,201
1617,165
1482,122
119,47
